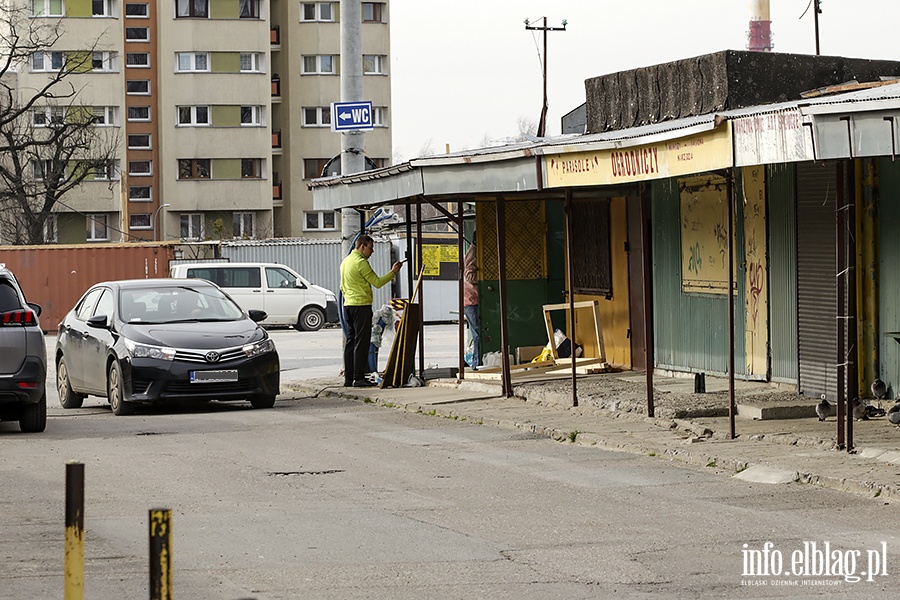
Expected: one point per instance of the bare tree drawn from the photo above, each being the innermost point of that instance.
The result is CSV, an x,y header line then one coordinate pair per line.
x,y
49,144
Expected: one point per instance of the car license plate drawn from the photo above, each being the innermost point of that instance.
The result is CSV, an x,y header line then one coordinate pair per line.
x,y
214,376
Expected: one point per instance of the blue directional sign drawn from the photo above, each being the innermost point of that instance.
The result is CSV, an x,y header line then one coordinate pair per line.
x,y
351,116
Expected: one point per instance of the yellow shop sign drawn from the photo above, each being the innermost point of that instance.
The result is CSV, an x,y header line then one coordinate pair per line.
x,y
682,156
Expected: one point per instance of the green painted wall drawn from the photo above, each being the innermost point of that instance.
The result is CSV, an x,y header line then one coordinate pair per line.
x,y
226,116
79,8
224,9
71,229
225,62
888,273
226,168
691,330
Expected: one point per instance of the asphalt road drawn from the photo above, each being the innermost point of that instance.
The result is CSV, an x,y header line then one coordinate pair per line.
x,y
329,498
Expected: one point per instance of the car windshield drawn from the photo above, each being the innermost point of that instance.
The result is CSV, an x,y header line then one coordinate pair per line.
x,y
174,304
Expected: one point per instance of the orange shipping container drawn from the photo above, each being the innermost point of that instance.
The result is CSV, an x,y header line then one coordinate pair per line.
x,y
56,276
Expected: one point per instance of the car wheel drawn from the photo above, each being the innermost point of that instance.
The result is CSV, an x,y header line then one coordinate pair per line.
x,y
68,398
311,319
263,401
115,390
33,418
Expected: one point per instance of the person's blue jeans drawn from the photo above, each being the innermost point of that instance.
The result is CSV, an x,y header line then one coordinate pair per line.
x,y
471,313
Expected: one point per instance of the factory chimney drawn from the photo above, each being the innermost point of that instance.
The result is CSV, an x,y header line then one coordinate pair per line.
x,y
760,33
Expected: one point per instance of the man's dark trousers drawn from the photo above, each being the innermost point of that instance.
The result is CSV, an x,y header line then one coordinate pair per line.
x,y
356,346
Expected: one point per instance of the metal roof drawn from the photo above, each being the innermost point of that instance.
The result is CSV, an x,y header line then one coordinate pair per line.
x,y
516,167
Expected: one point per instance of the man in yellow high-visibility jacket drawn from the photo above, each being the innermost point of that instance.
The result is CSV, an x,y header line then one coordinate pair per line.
x,y
357,279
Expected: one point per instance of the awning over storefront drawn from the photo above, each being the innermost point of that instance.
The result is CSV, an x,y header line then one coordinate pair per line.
x,y
864,122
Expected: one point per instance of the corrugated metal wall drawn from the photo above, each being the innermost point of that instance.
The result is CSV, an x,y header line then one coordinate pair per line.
x,y
889,274
816,283
782,221
690,330
319,261
55,276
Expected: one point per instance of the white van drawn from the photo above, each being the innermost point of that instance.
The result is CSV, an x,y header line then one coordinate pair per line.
x,y
287,298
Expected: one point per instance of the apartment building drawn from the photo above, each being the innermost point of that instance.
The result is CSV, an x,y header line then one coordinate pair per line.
x,y
219,110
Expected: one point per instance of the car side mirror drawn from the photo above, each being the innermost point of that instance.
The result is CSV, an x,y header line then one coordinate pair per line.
x,y
257,315
35,307
300,284
98,321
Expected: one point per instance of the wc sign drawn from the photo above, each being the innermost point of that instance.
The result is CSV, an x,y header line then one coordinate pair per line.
x,y
351,116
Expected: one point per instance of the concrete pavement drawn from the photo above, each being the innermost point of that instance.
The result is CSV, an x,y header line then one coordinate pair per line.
x,y
790,450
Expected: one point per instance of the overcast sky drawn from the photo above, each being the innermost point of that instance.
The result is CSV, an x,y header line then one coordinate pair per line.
x,y
466,72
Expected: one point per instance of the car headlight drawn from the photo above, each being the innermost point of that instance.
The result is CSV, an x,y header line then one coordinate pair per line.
x,y
260,347
136,350
330,298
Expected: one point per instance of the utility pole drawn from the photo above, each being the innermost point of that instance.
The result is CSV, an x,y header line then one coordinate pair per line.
x,y
352,142
542,124
817,9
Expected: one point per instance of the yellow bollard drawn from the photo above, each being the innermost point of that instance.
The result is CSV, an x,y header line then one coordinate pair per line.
x,y
74,561
160,554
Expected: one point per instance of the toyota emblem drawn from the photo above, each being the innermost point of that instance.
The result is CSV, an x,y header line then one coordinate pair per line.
x,y
212,356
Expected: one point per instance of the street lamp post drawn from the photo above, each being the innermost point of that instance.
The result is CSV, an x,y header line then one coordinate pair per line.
x,y
155,217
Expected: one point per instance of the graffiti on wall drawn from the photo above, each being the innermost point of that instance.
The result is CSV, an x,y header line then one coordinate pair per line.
x,y
704,234
756,304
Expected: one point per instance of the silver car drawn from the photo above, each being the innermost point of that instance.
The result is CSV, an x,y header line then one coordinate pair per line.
x,y
23,358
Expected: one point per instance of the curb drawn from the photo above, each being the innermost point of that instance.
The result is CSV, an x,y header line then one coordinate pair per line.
x,y
688,450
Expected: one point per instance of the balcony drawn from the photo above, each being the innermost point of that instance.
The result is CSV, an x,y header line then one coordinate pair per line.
x,y
275,35
276,88
276,191
276,142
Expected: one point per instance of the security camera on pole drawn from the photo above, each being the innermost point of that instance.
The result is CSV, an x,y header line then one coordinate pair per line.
x,y
352,138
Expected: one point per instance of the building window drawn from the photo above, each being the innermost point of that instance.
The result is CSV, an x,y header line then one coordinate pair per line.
x,y
192,9
105,116
193,115
104,62
102,8
243,225
319,220
592,271
47,8
137,34
251,168
106,171
374,64
140,167
47,61
373,12
251,116
140,193
320,64
97,229
138,113
42,170
249,9
51,229
251,62
317,11
313,167
191,226
191,61
136,9
193,168
379,116
316,116
139,87
45,116
139,221
139,141
137,60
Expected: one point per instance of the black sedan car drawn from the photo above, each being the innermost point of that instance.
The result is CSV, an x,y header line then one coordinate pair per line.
x,y
151,341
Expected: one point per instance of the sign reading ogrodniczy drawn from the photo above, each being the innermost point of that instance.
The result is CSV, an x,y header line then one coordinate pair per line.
x,y
351,116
